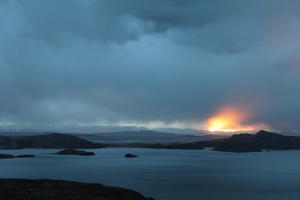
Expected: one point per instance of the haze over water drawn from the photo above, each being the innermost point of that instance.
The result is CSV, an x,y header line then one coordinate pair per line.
x,y
171,174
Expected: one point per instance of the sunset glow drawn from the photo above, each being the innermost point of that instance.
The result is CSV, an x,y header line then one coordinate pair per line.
x,y
232,119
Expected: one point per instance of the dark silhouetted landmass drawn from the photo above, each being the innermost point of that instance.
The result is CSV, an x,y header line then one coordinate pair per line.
x,y
58,140
4,156
55,140
75,152
22,189
189,145
236,143
259,141
146,137
130,155
25,156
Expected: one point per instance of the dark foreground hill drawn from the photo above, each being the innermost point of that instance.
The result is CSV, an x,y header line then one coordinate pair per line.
x,y
22,189
55,140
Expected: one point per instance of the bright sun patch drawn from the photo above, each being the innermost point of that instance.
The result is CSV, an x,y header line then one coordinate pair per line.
x,y
232,119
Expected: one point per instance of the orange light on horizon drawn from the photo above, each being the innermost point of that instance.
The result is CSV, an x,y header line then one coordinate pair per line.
x,y
232,119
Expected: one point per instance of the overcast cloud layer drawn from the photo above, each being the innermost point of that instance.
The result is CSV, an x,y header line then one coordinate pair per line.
x,y
145,62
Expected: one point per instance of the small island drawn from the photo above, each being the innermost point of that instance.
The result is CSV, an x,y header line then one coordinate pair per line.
x,y
75,152
5,156
25,156
129,155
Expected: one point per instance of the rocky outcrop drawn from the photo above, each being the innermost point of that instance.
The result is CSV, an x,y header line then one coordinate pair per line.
x,y
75,152
22,189
130,155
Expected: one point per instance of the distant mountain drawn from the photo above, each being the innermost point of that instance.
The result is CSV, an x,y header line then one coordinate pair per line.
x,y
146,137
97,129
236,143
55,140
59,140
185,131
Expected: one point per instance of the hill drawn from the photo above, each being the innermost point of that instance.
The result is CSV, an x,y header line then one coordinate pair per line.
x,y
259,141
23,189
54,140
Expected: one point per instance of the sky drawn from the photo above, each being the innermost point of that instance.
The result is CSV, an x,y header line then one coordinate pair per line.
x,y
158,63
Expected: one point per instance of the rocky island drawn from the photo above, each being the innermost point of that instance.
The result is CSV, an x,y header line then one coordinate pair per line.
x,y
130,155
23,189
25,156
5,156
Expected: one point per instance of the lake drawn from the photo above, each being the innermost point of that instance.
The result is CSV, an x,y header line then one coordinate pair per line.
x,y
170,174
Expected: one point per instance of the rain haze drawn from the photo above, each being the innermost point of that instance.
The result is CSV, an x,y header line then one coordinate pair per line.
x,y
152,64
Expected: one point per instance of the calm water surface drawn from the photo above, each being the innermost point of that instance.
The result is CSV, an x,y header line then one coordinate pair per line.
x,y
171,174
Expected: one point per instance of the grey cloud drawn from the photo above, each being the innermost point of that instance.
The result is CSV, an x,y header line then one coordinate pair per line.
x,y
84,61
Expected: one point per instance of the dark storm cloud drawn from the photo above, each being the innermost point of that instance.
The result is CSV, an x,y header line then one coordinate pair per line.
x,y
65,62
